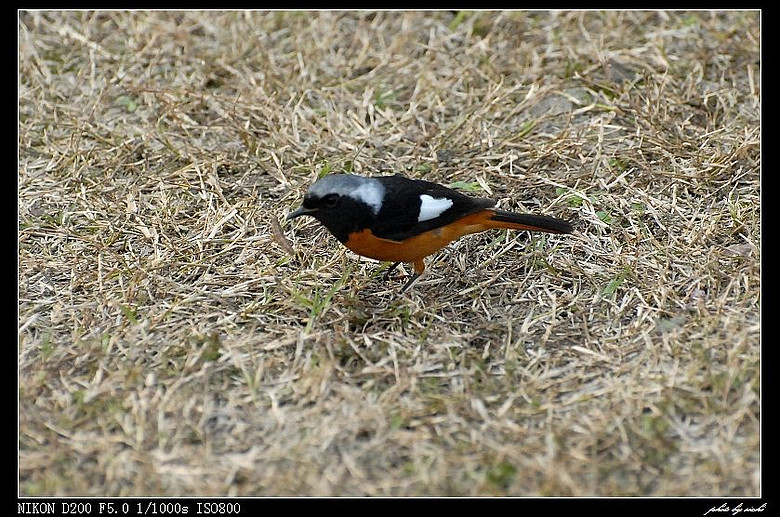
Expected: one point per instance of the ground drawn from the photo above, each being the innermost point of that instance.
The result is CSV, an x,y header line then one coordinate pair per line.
x,y
177,337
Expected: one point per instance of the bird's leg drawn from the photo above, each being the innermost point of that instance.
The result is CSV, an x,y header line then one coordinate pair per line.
x,y
390,270
419,267
410,282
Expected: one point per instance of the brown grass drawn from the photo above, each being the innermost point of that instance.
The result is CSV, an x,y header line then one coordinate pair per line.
x,y
169,344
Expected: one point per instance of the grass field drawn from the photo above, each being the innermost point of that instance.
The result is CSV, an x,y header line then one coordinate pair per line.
x,y
176,339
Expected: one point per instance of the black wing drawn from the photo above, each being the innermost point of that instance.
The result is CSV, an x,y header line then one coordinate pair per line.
x,y
398,218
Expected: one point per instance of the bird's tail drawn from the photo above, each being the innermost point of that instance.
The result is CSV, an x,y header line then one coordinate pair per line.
x,y
534,223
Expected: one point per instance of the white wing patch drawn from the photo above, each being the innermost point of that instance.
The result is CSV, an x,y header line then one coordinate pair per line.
x,y
431,207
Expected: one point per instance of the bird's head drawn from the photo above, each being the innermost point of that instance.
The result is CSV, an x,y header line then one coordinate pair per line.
x,y
340,201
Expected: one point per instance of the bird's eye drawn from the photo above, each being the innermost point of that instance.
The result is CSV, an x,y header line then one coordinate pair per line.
x,y
330,201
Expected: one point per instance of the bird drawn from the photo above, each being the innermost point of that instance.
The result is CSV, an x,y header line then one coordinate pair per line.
x,y
399,219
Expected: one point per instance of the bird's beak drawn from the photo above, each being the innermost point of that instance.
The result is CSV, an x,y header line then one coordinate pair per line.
x,y
301,211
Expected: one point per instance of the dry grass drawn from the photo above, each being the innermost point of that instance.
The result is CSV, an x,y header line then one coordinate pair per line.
x,y
169,345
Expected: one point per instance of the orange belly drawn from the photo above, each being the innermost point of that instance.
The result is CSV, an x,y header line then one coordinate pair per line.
x,y
418,247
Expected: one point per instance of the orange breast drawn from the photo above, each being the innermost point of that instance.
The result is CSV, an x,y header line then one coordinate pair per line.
x,y
420,246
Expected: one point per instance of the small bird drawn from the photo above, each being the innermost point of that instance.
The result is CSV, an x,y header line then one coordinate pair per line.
x,y
398,219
